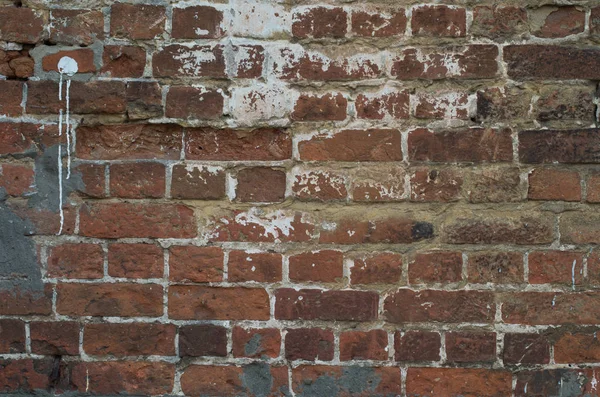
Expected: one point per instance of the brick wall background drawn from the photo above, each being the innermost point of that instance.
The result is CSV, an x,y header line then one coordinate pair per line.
x,y
300,198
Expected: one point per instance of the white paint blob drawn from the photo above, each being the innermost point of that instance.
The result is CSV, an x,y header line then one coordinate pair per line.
x,y
66,66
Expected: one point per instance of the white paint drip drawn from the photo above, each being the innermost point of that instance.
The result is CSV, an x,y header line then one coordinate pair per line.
x,y
68,66
573,274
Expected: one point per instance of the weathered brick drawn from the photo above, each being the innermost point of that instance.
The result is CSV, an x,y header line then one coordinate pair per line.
x,y
313,184
555,267
119,299
114,220
503,103
525,349
565,103
369,345
378,183
458,382
550,382
554,184
319,22
195,264
10,104
123,61
197,22
194,103
346,381
429,184
93,177
137,21
144,100
579,228
25,375
261,184
417,346
267,144
388,231
383,106
473,145
540,308
76,26
499,22
194,302
495,267
442,105
261,267
464,347
256,342
197,182
21,25
435,267
309,344
318,304
132,339
439,21
17,180
553,22
321,266
137,180
17,302
353,145
320,108
12,336
407,306
381,268
494,185
202,340
565,146
135,260
76,261
83,56
378,22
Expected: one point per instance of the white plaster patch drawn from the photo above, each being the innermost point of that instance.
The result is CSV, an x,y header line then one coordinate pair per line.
x,y
259,20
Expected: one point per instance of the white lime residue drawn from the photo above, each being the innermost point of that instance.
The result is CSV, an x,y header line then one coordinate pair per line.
x,y
275,224
66,66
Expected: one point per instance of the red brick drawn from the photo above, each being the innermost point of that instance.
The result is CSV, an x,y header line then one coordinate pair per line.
x,y
256,342
595,22
144,100
477,61
315,304
16,179
472,145
195,264
346,381
196,302
556,267
383,106
353,145
261,144
21,25
309,344
25,375
495,267
525,349
78,260
255,226
407,306
593,272
123,61
261,184
132,339
552,382
435,185
199,22
559,22
320,107
381,268
232,381
116,220
388,231
447,382
578,347
123,377
262,267
551,184
499,22
194,61
135,260
466,347
12,336
296,64
76,26
325,266
439,21
197,182
500,229
93,177
194,103
541,308
137,21
202,340
137,180
319,185
435,267
319,22
579,228
83,56
379,22
12,96
98,97
417,346
559,146
20,66
55,338
548,62
369,345
17,302
45,221
442,105
120,299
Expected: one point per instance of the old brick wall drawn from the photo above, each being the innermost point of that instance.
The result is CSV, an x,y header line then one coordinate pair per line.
x,y
301,197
